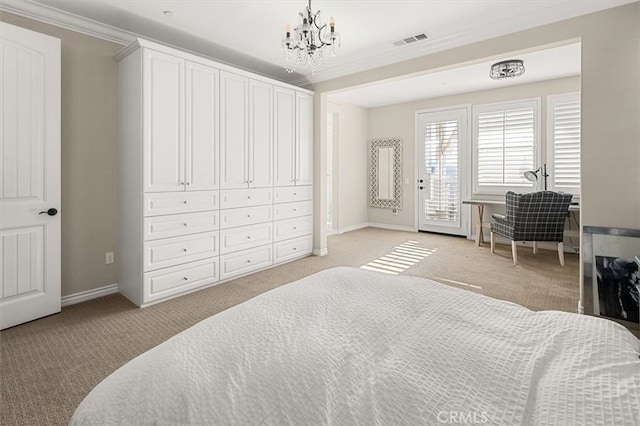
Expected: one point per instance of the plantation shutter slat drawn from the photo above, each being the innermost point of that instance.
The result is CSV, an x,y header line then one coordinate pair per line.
x,y
565,115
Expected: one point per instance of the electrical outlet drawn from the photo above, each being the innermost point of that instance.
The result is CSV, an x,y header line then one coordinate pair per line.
x,y
109,258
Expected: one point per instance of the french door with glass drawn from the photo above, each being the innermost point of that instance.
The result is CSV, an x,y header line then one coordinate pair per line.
x,y
442,138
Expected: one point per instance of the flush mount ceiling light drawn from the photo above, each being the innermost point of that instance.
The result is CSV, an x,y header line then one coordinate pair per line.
x,y
305,46
507,69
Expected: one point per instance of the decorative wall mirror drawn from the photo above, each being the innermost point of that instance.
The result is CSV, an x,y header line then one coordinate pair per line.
x,y
385,173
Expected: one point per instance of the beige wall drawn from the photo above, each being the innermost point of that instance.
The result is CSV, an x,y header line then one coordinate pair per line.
x,y
610,158
350,173
89,167
399,121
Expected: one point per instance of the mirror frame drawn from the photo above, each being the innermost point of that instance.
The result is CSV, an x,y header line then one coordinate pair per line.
x,y
374,146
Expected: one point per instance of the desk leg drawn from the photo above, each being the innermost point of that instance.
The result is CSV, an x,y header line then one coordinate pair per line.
x,y
479,214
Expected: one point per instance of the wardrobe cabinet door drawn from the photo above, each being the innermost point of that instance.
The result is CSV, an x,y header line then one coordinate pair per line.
x,y
163,128
260,135
284,136
202,148
304,139
233,131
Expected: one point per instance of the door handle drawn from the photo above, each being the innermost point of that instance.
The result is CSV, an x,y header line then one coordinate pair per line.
x,y
50,212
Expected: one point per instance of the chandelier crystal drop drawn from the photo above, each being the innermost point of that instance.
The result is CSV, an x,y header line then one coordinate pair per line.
x,y
507,69
306,45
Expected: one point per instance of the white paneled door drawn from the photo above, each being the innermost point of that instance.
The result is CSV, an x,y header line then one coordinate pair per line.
x,y
29,175
441,137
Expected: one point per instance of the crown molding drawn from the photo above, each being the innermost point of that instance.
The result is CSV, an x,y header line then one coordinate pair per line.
x,y
69,21
551,14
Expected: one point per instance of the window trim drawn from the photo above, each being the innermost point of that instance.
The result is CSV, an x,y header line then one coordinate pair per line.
x,y
552,101
534,103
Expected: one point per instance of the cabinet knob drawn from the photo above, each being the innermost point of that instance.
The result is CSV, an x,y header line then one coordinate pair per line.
x,y
185,224
188,183
185,201
181,183
295,227
185,278
248,261
295,210
248,237
295,249
248,215
184,250
248,197
295,193
250,181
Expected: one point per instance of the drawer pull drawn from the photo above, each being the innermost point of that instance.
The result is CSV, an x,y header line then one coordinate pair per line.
x,y
248,197
248,237
185,201
185,224
185,278
184,250
248,215
248,261
294,249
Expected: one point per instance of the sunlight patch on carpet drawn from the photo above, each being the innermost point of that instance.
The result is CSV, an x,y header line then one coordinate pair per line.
x,y
400,258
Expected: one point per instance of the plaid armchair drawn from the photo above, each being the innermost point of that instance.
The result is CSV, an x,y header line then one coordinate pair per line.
x,y
536,216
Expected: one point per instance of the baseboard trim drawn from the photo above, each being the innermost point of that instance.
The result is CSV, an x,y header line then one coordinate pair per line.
x,y
350,228
83,296
392,227
322,252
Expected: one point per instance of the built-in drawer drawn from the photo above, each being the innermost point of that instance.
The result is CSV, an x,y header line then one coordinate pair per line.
x,y
288,194
245,216
162,203
290,210
173,251
234,198
157,227
291,249
245,261
291,228
177,279
245,237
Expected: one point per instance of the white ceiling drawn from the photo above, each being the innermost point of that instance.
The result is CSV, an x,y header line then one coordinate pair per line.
x,y
248,33
542,65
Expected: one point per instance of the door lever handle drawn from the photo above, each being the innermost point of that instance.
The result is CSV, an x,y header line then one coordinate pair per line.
x,y
50,212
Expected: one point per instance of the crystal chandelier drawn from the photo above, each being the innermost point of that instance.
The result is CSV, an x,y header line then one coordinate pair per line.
x,y
507,69
306,45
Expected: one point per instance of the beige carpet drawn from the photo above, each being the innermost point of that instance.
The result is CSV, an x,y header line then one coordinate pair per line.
x,y
48,366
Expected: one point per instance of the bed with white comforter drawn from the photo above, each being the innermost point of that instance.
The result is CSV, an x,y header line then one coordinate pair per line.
x,y
347,346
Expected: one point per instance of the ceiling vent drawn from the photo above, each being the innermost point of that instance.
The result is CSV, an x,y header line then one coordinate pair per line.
x,y
412,39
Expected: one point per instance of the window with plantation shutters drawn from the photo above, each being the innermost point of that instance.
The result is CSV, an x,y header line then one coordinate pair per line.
x,y
563,122
505,140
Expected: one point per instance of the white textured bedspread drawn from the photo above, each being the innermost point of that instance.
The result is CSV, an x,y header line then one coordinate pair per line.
x,y
347,346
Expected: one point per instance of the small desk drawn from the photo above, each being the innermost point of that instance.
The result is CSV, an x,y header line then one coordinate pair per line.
x,y
480,212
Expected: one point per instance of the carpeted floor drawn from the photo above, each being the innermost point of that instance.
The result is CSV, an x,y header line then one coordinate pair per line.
x,y
48,366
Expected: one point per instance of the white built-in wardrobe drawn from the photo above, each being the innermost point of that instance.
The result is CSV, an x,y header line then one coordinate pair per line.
x,y
215,172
